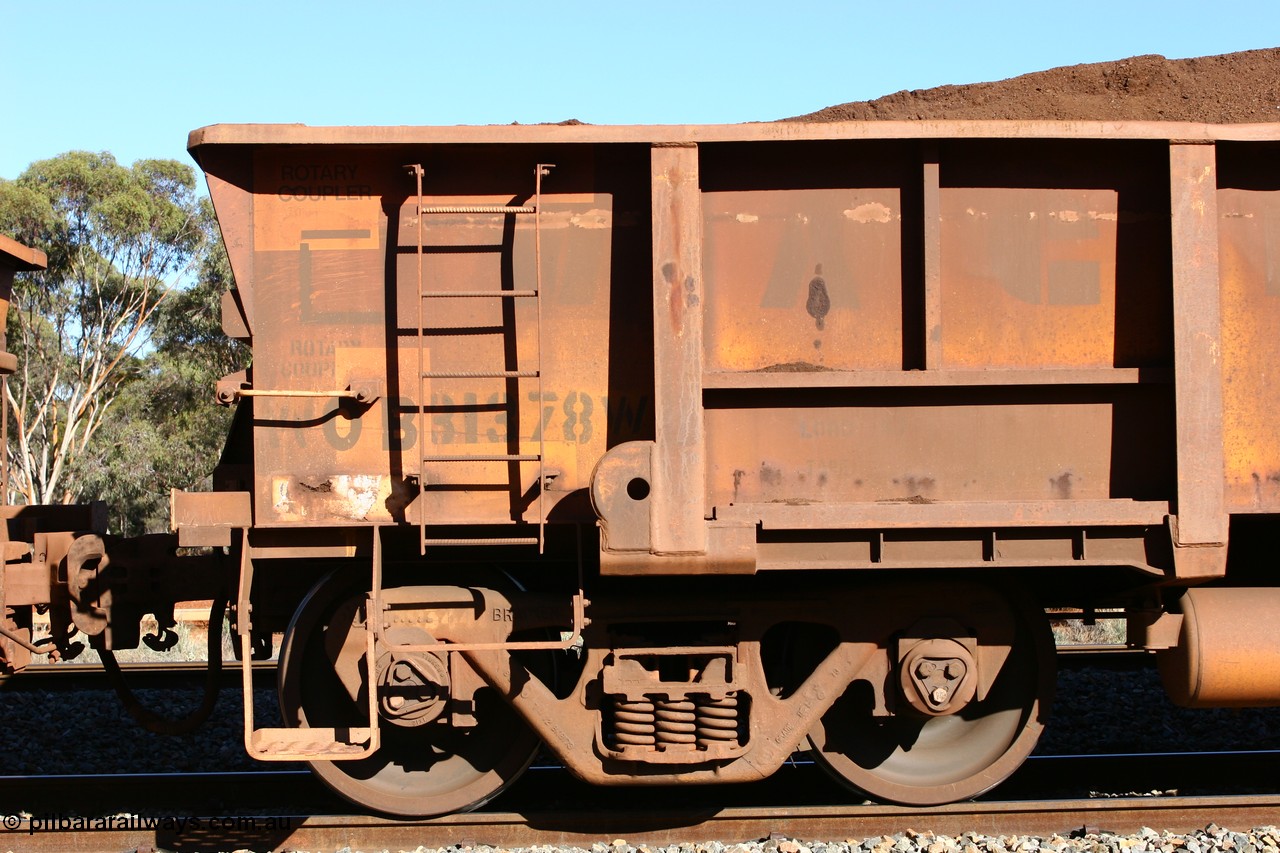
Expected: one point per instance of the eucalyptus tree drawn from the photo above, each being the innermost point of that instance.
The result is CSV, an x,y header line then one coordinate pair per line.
x,y
120,240
166,430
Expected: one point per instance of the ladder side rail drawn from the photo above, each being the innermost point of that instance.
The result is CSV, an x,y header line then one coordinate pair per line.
x,y
420,403
515,456
540,170
303,743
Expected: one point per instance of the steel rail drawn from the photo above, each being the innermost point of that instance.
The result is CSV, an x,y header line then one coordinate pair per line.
x,y
1099,651
533,812
1104,656
829,823
54,832
178,675
145,674
58,669
65,677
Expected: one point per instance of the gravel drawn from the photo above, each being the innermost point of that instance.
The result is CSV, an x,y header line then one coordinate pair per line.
x,y
89,732
1097,711
1213,839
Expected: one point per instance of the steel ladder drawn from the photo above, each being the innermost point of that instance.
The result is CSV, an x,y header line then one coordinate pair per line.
x,y
421,404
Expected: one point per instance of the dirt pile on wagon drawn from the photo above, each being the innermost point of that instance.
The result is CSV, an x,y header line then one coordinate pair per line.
x,y
1231,88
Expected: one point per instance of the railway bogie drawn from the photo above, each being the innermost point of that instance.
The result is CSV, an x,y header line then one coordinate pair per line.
x,y
678,450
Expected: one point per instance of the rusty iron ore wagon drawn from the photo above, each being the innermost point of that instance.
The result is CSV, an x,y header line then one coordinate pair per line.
x,y
681,449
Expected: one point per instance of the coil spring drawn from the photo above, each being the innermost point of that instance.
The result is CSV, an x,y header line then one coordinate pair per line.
x,y
634,723
718,721
663,722
677,721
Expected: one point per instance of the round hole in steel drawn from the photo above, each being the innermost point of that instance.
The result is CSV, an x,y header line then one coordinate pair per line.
x,y
638,489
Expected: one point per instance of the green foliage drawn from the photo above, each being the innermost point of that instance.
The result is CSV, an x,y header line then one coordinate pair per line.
x,y
113,398
190,320
166,430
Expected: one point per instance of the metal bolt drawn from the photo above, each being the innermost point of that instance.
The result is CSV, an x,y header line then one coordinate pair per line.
x,y
402,672
395,703
926,668
954,670
939,695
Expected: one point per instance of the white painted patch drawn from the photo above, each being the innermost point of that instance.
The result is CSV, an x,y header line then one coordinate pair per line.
x,y
358,492
747,217
282,503
591,219
872,211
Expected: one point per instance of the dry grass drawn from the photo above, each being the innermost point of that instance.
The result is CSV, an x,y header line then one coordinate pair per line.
x,y
193,636
192,645
1107,629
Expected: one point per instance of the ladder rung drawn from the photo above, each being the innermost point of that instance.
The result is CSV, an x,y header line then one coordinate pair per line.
x,y
477,208
421,212
528,540
484,457
478,294
479,374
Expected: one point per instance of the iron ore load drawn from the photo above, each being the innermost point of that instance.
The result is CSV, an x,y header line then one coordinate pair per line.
x,y
678,450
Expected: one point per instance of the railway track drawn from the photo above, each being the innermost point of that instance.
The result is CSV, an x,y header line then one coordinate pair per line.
x,y
504,829
147,675
273,808
161,674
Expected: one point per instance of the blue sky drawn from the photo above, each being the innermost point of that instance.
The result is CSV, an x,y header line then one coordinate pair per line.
x,y
134,78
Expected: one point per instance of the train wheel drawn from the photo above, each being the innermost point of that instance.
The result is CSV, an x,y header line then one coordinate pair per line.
x,y
915,759
419,771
